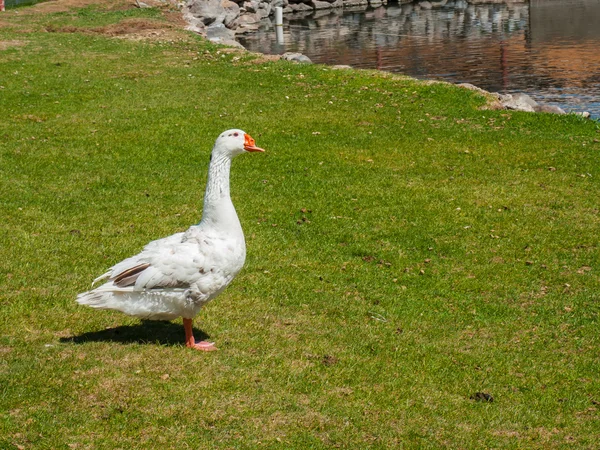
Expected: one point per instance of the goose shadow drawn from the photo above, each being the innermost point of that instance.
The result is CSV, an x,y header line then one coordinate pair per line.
x,y
146,332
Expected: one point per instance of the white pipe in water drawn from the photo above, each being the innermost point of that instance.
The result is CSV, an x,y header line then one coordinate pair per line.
x,y
279,24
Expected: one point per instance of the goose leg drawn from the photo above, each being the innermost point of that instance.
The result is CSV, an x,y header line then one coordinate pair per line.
x,y
191,342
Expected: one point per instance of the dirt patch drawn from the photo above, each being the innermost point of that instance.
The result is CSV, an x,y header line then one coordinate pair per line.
x,y
8,44
260,57
66,5
168,29
125,27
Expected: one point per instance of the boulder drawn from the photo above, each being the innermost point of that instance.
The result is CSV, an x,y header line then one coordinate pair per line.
x,y
251,6
518,102
232,12
472,87
220,34
493,101
550,109
296,57
151,3
214,11
350,3
438,3
584,114
299,7
317,4
264,9
193,23
247,22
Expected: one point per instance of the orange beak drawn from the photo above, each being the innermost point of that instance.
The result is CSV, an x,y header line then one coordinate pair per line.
x,y
250,145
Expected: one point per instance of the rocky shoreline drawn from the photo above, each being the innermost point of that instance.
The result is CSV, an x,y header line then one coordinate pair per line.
x,y
242,16
516,102
221,20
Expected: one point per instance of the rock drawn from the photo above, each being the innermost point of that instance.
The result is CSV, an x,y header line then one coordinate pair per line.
x,y
296,57
247,22
299,7
350,3
316,4
438,3
524,99
550,109
193,23
151,3
425,5
220,34
249,28
211,11
518,102
472,87
251,7
205,10
493,99
264,9
232,12
584,114
333,3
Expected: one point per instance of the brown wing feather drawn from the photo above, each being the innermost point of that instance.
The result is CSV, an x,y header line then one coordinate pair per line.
x,y
129,276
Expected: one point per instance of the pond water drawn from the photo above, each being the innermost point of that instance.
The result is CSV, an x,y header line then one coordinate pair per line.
x,y
549,49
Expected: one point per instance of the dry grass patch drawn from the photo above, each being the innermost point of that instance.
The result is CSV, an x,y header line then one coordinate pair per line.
x,y
4,45
67,5
125,27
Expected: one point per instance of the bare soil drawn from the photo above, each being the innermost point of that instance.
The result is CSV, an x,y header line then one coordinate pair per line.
x,y
8,44
54,6
128,29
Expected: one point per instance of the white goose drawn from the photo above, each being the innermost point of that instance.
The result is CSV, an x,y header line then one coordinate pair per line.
x,y
175,276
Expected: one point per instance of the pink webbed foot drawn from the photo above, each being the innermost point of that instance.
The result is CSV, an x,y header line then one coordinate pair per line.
x,y
191,342
203,346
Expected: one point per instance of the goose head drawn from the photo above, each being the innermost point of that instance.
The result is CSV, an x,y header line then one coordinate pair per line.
x,y
235,142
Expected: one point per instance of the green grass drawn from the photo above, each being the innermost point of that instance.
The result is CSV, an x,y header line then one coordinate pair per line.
x,y
406,249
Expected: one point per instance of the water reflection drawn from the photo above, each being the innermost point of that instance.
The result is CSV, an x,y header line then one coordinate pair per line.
x,y
547,48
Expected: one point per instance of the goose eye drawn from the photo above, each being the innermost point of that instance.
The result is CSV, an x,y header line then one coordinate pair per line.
x,y
236,134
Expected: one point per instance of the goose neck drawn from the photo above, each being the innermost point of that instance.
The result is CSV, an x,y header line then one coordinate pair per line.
x,y
217,185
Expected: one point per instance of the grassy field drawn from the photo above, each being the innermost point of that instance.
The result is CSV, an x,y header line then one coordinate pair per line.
x,y
407,250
